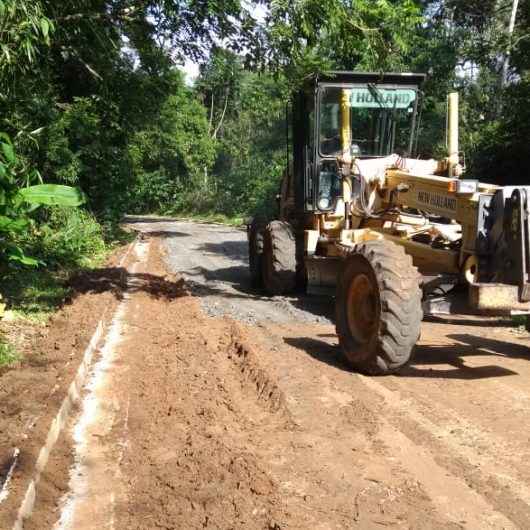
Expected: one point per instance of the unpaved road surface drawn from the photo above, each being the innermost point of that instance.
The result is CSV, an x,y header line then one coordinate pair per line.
x,y
211,406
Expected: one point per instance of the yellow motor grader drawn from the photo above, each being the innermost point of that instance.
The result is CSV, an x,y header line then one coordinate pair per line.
x,y
391,234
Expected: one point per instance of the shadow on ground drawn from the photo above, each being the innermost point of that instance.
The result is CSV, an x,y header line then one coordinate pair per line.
x,y
469,320
165,233
238,278
117,280
235,250
213,283
425,356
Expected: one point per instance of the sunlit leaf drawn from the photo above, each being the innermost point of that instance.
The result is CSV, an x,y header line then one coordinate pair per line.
x,y
44,26
16,254
53,194
9,153
7,224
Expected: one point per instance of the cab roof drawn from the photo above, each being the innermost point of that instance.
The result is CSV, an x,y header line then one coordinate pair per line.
x,y
366,77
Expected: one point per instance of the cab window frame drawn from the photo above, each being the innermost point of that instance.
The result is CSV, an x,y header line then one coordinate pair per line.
x,y
320,95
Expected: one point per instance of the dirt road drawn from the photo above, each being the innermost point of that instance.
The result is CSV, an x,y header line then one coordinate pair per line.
x,y
211,406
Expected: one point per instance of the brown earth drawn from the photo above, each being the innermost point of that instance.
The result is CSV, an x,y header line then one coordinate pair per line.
x,y
32,391
207,422
213,443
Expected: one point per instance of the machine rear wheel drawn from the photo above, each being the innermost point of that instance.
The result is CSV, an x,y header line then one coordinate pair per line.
x,y
378,307
279,258
255,251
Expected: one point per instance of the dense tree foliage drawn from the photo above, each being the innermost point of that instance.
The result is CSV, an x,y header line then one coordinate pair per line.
x,y
332,34
92,95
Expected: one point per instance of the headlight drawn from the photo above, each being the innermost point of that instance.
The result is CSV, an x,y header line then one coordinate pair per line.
x,y
324,203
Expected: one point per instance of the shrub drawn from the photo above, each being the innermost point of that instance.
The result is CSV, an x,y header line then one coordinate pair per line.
x,y
69,237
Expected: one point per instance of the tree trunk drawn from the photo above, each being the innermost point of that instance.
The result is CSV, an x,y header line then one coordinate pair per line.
x,y
211,115
511,26
222,115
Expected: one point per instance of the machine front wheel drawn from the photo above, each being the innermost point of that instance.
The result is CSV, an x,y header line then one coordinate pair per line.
x,y
378,307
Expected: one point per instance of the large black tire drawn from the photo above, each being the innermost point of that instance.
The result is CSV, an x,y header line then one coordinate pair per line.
x,y
255,251
378,307
279,258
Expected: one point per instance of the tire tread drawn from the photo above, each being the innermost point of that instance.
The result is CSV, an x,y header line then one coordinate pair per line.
x,y
280,251
400,308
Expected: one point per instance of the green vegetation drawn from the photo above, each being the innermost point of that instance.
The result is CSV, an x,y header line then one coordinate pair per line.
x,y
212,217
34,294
70,239
63,241
93,97
61,235
8,354
18,199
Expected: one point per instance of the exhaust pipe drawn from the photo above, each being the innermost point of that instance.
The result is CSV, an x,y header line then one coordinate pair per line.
x,y
452,133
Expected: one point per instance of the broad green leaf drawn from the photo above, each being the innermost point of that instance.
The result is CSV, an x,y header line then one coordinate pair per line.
x,y
53,194
16,254
9,152
7,224
19,225
44,26
32,207
7,54
30,50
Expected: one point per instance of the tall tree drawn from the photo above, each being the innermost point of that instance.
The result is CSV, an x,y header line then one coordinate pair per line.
x,y
338,34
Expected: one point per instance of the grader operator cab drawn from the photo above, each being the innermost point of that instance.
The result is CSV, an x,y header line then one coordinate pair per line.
x,y
391,234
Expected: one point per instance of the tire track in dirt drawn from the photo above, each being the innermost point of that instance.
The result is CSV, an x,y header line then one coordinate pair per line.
x,y
267,390
481,446
317,482
452,495
479,472
475,427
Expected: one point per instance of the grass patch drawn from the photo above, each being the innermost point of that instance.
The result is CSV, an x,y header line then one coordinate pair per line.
x,y
68,240
185,215
34,294
115,235
8,354
212,218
